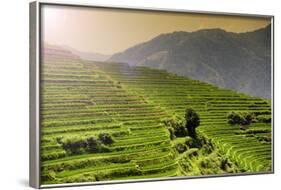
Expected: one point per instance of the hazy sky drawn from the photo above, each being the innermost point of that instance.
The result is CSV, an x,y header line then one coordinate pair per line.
x,y
109,31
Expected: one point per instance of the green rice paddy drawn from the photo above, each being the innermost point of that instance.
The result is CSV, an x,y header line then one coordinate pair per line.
x,y
82,99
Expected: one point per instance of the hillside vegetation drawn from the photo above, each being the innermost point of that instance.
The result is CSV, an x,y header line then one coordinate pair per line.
x,y
79,102
250,148
104,121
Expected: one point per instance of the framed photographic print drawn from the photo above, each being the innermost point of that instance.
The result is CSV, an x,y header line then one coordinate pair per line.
x,y
126,94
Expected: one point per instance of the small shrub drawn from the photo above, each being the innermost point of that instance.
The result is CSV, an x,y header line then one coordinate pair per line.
x,y
96,146
194,142
93,145
180,130
105,138
178,126
235,118
74,145
249,118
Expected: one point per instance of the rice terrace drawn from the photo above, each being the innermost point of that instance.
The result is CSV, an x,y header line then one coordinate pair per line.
x,y
180,104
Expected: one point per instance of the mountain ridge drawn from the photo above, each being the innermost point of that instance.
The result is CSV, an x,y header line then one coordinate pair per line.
x,y
92,56
238,61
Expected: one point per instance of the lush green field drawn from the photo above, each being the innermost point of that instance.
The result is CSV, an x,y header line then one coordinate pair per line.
x,y
83,99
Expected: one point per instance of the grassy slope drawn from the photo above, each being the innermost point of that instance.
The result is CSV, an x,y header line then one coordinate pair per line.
x,y
174,94
84,99
79,100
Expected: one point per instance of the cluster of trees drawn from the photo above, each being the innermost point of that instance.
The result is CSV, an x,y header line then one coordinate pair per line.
x,y
90,145
246,118
179,127
241,118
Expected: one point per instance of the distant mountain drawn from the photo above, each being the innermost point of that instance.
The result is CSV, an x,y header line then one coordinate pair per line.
x,y
238,61
88,55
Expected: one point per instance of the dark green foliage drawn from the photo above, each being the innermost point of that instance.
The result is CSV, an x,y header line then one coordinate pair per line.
x,y
75,145
235,118
189,142
195,142
249,118
93,145
89,145
180,130
241,118
105,138
192,121
177,125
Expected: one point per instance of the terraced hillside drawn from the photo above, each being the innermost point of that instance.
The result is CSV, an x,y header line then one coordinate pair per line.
x,y
78,102
250,149
104,121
